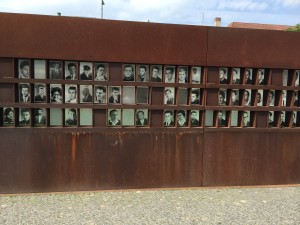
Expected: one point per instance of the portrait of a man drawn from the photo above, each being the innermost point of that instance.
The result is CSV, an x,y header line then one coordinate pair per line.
x,y
24,93
40,117
271,119
170,74
181,118
85,71
248,74
24,117
71,94
195,118
101,72
196,75
70,71
222,97
70,117
247,97
86,94
246,118
115,95
24,68
168,118
40,93
55,70
183,75
235,97
169,96
156,73
260,95
195,96
128,72
222,118
223,75
261,76
236,75
141,118
100,95
114,117
143,73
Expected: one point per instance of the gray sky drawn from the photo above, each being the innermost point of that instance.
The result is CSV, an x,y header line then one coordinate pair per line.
x,y
286,12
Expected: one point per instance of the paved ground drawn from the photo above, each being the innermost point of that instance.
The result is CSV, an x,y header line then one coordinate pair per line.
x,y
279,205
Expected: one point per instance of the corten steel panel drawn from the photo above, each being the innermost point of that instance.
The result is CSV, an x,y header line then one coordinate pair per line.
x,y
251,157
36,160
253,48
6,68
37,36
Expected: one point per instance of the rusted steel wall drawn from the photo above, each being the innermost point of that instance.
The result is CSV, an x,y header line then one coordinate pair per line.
x,y
43,160
254,156
66,159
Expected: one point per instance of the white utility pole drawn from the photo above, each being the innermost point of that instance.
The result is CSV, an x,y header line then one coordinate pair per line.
x,y
102,4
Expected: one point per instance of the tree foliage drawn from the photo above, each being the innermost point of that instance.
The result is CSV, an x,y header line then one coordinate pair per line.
x,y
295,28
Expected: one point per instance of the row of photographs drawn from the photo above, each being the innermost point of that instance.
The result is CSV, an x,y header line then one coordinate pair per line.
x,y
250,97
103,94
255,77
73,70
140,117
115,117
68,70
140,95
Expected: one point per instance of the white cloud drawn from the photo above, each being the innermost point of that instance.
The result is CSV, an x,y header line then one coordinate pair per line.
x,y
289,2
242,5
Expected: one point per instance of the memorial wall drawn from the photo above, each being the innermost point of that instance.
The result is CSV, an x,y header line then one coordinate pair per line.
x,y
89,104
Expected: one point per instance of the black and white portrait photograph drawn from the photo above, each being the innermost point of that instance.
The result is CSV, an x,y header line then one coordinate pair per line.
x,y
142,95
24,68
183,96
183,75
143,73
128,117
272,98
114,117
196,75
8,116
86,93
248,75
40,69
142,118
236,76
70,70
56,93
223,74
296,101
70,93
24,93
271,119
168,118
24,117
71,118
86,71
195,118
101,72
40,92
100,94
128,72
114,94
235,97
294,119
156,73
40,117
297,74
169,96
128,95
182,118
55,70
246,118
222,97
283,97
222,118
195,96
282,119
261,77
170,74
260,96
247,97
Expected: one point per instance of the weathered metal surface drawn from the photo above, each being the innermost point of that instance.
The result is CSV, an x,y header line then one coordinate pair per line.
x,y
254,156
101,40
37,160
253,48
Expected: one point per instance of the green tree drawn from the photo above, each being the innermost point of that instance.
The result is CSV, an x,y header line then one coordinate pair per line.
x,y
295,28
